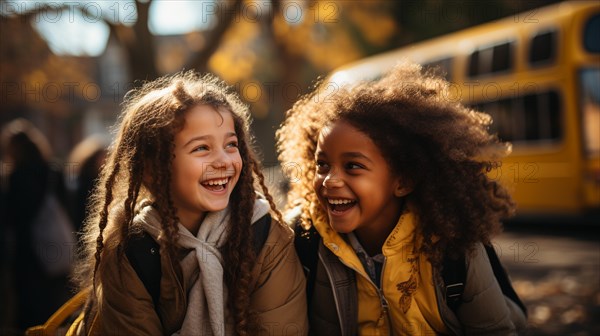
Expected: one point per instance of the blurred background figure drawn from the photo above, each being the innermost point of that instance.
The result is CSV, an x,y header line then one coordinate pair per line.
x,y
39,277
86,159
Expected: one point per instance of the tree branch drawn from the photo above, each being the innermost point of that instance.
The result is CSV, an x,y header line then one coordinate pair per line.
x,y
224,18
140,49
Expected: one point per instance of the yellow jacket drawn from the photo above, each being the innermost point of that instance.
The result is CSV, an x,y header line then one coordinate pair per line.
x,y
344,301
406,303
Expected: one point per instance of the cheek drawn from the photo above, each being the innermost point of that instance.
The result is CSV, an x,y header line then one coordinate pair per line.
x,y
237,164
186,168
317,182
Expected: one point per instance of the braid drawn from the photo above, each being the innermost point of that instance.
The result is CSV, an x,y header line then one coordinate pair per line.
x,y
108,197
166,207
132,195
261,181
135,169
239,277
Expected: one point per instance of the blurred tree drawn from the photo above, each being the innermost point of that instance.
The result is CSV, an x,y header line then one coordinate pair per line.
x,y
21,52
137,40
31,76
325,33
318,34
272,50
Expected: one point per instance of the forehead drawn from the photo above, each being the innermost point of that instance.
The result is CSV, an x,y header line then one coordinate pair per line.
x,y
342,136
208,116
337,129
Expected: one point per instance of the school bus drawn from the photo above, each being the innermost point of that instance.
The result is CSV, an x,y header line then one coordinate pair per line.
x,y
538,75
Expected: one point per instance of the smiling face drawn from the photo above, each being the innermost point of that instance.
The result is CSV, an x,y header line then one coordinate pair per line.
x,y
206,166
354,183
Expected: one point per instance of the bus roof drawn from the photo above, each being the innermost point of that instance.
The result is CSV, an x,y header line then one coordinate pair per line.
x,y
458,43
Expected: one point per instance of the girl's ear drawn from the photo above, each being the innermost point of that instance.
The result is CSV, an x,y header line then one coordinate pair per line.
x,y
403,188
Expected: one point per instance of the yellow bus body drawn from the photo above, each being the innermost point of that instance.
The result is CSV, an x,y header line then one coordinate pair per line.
x,y
554,176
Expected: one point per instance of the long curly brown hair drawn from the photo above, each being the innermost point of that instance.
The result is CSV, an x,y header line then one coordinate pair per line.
x,y
143,146
442,147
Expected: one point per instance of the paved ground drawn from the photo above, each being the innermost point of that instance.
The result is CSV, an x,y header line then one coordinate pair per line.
x,y
557,274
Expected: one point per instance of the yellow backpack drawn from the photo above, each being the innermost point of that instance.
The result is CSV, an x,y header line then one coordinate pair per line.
x,y
56,324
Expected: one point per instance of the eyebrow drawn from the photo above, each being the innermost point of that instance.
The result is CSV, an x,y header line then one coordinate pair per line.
x,y
349,155
206,137
356,155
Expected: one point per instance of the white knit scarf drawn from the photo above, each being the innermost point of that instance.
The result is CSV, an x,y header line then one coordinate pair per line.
x,y
207,298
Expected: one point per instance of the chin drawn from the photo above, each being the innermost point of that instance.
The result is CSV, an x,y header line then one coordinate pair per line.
x,y
217,207
340,227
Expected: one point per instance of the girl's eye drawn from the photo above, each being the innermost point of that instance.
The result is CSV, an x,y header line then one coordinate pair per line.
x,y
322,166
353,165
200,148
232,144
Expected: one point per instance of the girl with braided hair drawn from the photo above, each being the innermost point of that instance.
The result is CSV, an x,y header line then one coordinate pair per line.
x,y
182,170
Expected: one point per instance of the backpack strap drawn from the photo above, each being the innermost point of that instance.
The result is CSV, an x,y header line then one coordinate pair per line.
x,y
143,253
306,243
502,278
454,273
260,232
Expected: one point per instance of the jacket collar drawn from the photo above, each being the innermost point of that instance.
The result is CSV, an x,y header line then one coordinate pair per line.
x,y
402,234
400,240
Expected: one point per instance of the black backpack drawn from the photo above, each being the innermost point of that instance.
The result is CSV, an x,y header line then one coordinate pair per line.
x,y
143,253
454,271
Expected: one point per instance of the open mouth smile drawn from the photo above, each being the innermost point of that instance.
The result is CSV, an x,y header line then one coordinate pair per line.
x,y
216,185
339,206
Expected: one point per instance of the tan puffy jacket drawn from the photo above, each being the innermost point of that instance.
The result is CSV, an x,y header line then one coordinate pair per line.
x,y
126,308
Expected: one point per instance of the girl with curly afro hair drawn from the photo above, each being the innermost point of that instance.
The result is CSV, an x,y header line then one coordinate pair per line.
x,y
182,171
394,181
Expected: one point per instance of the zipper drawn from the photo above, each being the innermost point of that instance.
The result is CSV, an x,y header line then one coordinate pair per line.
x,y
383,301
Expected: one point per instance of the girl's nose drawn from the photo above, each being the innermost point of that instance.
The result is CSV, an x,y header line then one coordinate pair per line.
x,y
219,164
331,181
221,160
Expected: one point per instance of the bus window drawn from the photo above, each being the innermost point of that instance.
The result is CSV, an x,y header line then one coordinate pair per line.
x,y
502,57
543,48
553,116
492,59
474,64
531,118
591,34
531,110
590,105
542,119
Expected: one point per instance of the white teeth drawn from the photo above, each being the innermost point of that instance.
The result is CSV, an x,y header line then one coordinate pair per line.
x,y
216,182
339,201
